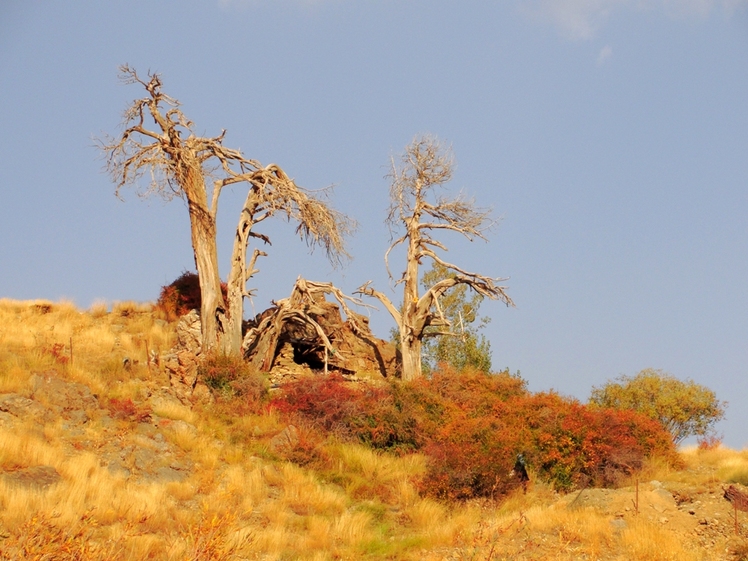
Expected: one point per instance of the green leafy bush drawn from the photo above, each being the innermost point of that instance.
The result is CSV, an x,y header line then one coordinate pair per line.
x,y
684,408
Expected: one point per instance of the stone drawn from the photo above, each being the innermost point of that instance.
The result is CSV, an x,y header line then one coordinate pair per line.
x,y
22,407
183,360
189,335
144,458
167,474
285,440
72,400
37,477
300,351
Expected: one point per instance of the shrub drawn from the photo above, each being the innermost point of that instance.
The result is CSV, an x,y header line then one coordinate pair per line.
x,y
574,445
57,352
182,295
472,457
472,425
366,414
125,409
232,379
684,408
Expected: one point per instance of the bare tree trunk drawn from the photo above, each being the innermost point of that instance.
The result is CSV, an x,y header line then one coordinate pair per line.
x,y
232,338
203,229
180,163
410,347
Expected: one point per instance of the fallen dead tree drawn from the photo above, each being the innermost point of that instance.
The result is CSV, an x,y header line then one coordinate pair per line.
x,y
307,330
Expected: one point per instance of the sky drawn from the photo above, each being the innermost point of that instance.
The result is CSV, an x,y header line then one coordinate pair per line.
x,y
610,137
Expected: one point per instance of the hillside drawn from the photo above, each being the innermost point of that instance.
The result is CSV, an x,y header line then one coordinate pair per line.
x,y
99,460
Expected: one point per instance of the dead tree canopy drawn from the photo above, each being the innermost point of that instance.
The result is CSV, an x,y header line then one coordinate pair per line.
x,y
311,329
160,154
417,211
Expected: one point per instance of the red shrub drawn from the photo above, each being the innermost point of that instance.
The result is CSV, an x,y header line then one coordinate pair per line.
x,y
472,426
709,441
324,402
58,352
182,295
472,457
125,409
574,445
367,414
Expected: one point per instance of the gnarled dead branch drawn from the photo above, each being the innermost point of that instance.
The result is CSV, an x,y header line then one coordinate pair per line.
x,y
298,317
425,166
181,164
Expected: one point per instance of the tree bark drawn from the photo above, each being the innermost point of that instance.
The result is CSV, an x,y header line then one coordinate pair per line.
x,y
182,167
410,348
203,230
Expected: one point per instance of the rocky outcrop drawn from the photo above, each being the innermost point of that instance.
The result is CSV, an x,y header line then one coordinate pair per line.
x,y
306,333
125,447
299,336
355,350
181,363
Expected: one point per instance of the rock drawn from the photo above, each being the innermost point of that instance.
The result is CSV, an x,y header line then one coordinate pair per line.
x,y
300,352
72,400
164,398
37,477
182,362
117,468
6,419
285,440
189,335
23,407
167,474
144,458
183,426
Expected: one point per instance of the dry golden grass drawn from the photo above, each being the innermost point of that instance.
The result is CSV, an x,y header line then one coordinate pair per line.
x,y
237,501
647,541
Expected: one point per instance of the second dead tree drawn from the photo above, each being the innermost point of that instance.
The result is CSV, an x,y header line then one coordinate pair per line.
x,y
416,208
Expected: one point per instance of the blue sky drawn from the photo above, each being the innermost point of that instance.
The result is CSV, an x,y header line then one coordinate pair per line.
x,y
609,136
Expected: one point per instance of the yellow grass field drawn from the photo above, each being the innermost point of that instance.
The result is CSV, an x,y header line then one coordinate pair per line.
x,y
193,483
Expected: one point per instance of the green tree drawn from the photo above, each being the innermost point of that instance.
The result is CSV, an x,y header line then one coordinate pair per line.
x,y
463,346
684,408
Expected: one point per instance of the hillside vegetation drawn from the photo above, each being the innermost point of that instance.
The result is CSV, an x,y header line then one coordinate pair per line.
x,y
99,461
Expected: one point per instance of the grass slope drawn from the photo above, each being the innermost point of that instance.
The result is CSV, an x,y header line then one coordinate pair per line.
x,y
141,476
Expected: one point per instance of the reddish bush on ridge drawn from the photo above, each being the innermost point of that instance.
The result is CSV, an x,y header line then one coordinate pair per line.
x,y
367,414
472,426
182,295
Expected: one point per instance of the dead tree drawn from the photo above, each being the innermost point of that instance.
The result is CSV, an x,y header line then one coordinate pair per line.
x,y
181,164
261,341
416,208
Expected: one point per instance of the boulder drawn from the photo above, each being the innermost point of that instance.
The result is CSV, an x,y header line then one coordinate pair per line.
x,y
300,349
70,400
183,360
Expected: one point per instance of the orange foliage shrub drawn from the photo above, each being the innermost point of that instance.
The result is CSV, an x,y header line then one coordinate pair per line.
x,y
472,426
126,410
182,295
574,445
366,414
